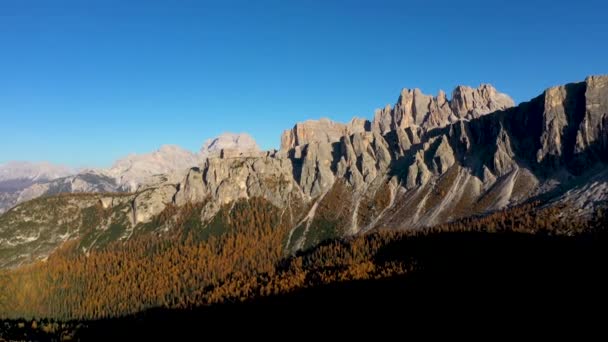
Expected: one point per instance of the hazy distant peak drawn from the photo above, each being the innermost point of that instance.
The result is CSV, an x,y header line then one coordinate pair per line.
x,y
134,169
171,149
233,141
32,170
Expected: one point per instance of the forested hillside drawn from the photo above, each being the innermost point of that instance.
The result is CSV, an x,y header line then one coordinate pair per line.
x,y
241,257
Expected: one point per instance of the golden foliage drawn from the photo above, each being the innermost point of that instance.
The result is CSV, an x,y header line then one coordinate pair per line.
x,y
245,262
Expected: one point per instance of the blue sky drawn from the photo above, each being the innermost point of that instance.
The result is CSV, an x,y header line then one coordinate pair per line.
x,y
85,82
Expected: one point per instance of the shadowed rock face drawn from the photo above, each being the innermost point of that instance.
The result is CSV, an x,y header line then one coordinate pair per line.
x,y
574,124
436,161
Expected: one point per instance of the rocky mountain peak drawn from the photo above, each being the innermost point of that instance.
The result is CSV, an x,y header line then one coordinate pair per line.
x,y
134,169
14,170
229,143
471,103
322,130
414,108
575,123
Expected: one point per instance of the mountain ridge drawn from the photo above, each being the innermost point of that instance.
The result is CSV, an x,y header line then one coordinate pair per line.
x,y
552,148
22,181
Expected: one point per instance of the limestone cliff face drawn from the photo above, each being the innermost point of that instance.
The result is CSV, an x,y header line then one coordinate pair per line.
x,y
574,123
483,161
227,180
593,128
471,103
323,130
230,145
413,108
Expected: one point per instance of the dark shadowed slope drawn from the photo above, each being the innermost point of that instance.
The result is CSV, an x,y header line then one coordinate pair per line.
x,y
472,278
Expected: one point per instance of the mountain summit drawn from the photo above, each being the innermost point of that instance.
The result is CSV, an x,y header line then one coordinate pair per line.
x,y
413,109
133,170
230,143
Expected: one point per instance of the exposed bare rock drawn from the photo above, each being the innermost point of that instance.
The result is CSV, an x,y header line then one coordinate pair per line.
x,y
230,145
584,198
383,119
364,156
106,202
417,173
413,108
574,124
192,188
132,173
593,129
460,135
222,181
32,191
555,121
152,202
238,153
403,142
321,131
503,157
347,165
443,156
317,175
469,103
134,170
487,177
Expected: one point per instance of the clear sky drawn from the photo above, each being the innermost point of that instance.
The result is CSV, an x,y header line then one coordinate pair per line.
x,y
86,82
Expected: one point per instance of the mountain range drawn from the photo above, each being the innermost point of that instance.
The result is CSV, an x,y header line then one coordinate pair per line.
x,y
22,181
16,176
424,161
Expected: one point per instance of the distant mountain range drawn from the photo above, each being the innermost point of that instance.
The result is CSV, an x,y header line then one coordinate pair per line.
x,y
16,176
424,161
22,181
